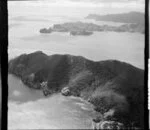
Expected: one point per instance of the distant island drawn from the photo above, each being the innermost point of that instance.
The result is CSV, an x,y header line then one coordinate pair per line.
x,y
116,89
74,28
131,17
86,29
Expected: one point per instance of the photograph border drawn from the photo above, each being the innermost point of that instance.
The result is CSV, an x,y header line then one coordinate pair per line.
x,y
4,63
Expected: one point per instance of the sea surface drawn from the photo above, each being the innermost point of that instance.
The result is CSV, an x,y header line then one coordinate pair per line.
x,y
25,21
28,108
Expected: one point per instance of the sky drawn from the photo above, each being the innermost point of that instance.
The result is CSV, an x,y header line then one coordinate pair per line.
x,y
78,7
139,4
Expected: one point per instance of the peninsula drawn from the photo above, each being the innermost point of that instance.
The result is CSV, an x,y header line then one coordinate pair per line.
x,y
115,88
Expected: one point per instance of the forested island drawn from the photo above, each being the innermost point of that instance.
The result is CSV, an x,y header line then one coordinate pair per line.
x,y
115,88
86,29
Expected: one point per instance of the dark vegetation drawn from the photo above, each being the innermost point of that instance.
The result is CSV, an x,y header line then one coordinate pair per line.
x,y
108,85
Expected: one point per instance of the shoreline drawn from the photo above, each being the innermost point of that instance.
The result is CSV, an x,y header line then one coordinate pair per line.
x,y
83,78
98,121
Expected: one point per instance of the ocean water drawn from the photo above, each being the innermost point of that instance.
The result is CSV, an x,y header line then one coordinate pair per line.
x,y
24,37
29,108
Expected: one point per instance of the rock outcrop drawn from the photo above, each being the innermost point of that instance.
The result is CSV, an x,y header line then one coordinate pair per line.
x,y
111,125
45,89
65,91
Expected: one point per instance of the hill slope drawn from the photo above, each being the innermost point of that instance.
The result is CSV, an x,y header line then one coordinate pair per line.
x,y
108,85
131,17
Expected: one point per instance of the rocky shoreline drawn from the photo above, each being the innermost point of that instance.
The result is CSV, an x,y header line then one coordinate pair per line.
x,y
99,122
105,121
102,121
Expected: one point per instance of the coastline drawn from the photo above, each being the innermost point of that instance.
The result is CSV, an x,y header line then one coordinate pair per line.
x,y
89,80
98,122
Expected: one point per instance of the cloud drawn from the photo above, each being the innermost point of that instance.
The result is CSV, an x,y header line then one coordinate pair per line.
x,y
53,112
134,5
88,1
16,93
97,3
33,114
108,1
94,1
47,113
112,2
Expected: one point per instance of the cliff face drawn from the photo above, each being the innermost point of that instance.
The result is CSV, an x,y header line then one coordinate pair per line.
x,y
108,85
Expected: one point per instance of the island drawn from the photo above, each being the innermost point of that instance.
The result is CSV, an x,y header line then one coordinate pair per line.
x,y
115,88
74,28
86,29
44,30
130,17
